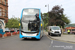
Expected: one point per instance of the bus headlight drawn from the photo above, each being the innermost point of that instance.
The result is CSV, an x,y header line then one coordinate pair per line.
x,y
21,33
37,33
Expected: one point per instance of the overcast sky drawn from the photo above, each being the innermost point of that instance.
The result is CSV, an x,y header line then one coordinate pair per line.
x,y
16,6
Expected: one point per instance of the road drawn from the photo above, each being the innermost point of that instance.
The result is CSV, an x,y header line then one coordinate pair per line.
x,y
15,43
60,45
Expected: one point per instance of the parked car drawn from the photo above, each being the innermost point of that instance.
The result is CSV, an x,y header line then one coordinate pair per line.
x,y
54,30
17,31
7,31
13,32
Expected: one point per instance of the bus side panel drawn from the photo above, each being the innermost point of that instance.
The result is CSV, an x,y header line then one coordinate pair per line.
x,y
20,25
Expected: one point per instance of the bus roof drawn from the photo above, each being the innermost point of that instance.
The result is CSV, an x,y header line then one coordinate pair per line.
x,y
30,8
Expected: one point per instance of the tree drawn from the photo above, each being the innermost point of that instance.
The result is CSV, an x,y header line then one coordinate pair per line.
x,y
45,19
65,19
13,23
56,16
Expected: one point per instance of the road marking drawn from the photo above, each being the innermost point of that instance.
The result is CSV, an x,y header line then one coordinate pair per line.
x,y
52,42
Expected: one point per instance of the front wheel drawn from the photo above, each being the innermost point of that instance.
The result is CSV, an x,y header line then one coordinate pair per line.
x,y
59,34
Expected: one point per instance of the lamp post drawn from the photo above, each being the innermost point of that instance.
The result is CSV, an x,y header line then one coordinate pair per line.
x,y
48,12
47,6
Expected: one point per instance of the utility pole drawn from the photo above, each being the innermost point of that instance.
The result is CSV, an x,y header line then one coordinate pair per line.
x,y
48,12
47,6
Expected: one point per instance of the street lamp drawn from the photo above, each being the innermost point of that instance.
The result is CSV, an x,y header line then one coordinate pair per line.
x,y
48,7
48,12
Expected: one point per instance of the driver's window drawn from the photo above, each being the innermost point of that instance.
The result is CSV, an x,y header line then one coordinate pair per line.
x,y
0,25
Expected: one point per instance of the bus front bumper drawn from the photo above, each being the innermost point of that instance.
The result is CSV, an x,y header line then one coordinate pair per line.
x,y
26,36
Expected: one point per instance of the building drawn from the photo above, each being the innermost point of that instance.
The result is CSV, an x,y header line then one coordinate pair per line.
x,y
3,14
70,27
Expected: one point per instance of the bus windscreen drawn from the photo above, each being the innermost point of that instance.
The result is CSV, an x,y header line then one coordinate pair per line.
x,y
29,23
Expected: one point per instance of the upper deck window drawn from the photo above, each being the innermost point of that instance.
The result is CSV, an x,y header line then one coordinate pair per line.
x,y
30,11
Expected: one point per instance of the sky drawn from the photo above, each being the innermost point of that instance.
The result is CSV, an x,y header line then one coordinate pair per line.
x,y
16,6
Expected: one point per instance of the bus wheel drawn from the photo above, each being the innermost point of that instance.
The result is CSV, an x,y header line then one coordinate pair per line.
x,y
24,38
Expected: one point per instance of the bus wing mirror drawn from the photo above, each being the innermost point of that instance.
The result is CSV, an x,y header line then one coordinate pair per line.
x,y
41,25
19,24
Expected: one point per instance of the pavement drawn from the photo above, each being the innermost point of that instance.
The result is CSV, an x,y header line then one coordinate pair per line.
x,y
67,38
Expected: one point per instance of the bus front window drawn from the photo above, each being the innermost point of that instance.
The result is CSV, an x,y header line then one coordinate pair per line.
x,y
29,22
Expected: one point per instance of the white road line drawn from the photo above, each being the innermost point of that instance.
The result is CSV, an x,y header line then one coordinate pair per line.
x,y
51,41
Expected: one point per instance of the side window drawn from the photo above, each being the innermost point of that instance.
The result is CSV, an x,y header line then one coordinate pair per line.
x,y
0,25
5,12
0,1
5,2
0,12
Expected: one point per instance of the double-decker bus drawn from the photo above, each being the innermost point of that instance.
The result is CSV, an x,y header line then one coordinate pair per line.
x,y
31,24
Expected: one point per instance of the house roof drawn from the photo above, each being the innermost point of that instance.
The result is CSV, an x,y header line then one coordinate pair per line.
x,y
70,25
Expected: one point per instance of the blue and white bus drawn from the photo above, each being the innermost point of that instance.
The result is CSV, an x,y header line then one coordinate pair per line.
x,y
31,24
